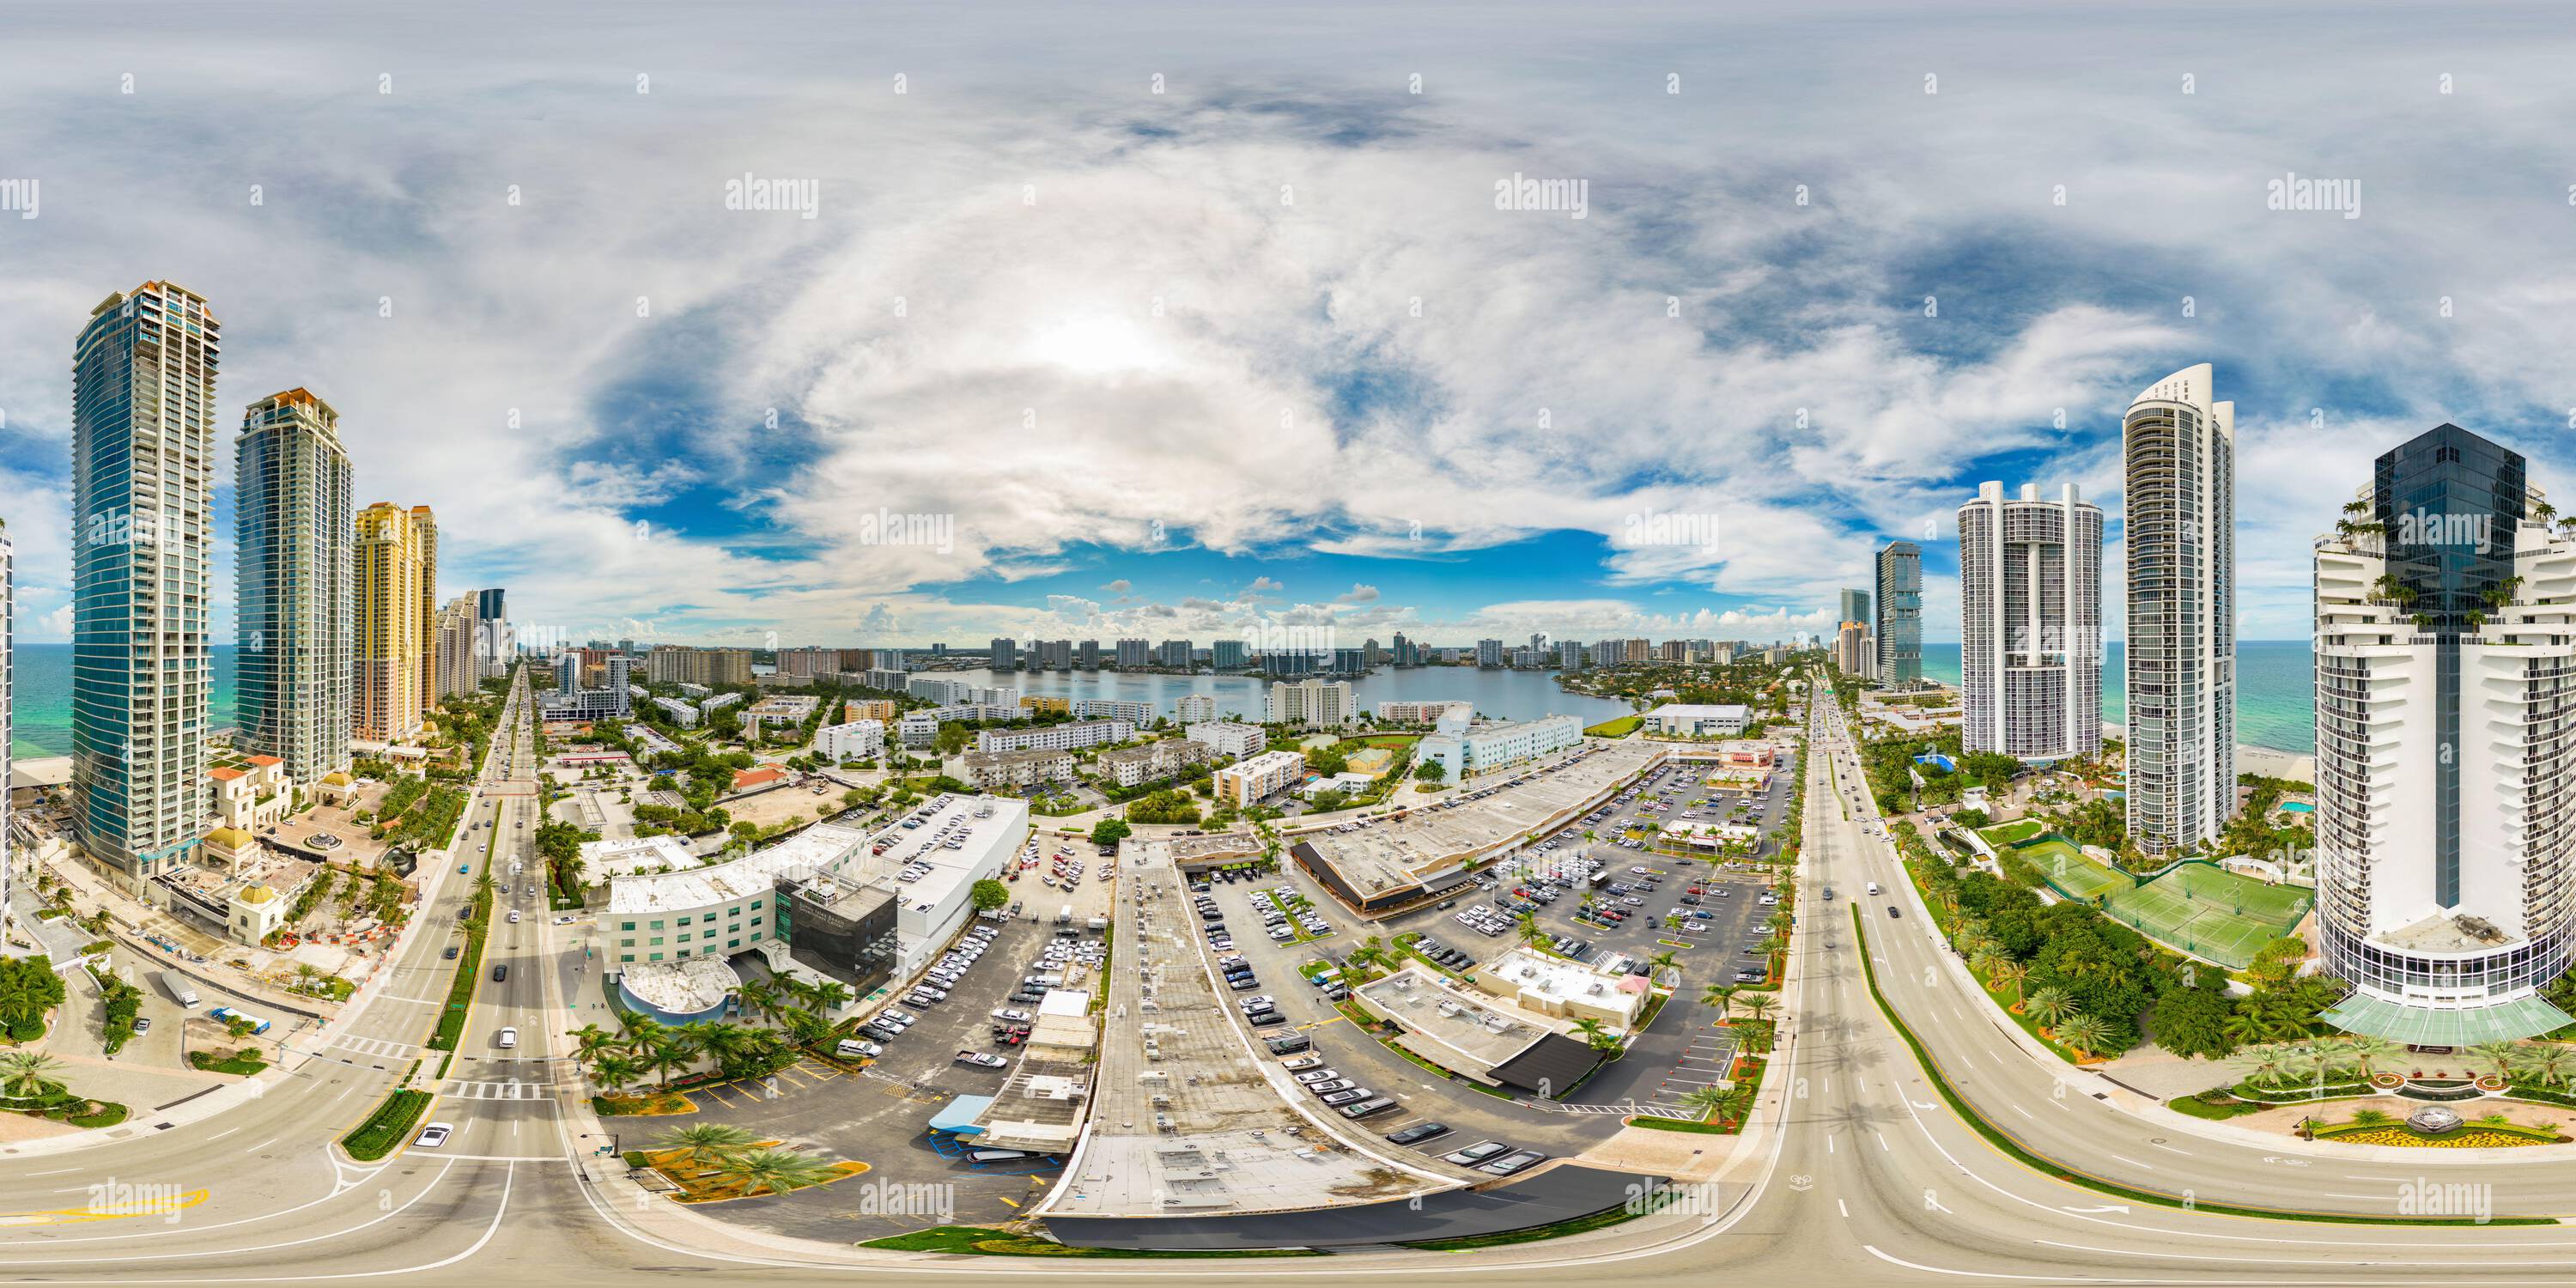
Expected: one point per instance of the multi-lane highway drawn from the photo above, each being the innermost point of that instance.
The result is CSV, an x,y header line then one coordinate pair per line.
x,y
1856,1171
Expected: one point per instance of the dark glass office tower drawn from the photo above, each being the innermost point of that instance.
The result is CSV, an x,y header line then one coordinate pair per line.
x,y
2448,504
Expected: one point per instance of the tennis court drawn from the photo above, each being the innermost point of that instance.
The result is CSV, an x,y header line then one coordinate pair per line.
x,y
2074,875
2211,913
2202,910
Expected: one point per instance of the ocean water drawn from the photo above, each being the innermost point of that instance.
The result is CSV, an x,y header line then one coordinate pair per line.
x,y
2276,694
40,717
1499,694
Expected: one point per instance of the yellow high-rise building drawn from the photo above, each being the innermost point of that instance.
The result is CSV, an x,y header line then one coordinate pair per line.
x,y
397,676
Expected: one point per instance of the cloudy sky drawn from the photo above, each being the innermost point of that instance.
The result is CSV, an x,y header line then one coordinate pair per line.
x,y
1098,320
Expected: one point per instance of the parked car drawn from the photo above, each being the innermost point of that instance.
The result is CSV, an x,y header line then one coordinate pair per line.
x,y
1476,1153
1516,1161
1418,1133
982,1059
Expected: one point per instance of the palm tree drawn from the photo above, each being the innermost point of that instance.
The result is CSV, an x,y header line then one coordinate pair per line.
x,y
1600,1039
2498,1057
669,1052
2084,1033
637,1031
1757,1005
773,1171
830,995
2369,1118
588,1041
706,1144
2370,1055
2049,1005
760,997
2262,1065
1717,995
2548,1063
1667,963
2010,972
1530,933
1704,1101
615,1073
28,1075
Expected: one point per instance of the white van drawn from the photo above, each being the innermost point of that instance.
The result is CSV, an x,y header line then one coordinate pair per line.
x,y
1873,887
514,916
509,1038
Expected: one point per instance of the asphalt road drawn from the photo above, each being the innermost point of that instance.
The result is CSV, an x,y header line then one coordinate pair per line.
x,y
1856,1172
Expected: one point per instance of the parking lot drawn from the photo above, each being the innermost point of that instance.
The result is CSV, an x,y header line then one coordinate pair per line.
x,y
1471,1114
879,1115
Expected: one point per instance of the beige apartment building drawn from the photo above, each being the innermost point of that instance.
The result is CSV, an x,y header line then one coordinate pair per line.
x,y
397,673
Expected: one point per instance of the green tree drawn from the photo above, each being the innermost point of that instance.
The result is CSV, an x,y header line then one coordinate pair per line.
x,y
989,894
28,1075
2049,1005
773,1171
706,1144
1109,831
1431,771
2085,1033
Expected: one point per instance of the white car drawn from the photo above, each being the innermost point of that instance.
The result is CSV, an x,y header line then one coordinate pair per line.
x,y
434,1135
1007,1013
981,1059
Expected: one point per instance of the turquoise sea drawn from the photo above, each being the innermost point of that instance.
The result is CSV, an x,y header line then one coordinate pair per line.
x,y
2276,695
41,717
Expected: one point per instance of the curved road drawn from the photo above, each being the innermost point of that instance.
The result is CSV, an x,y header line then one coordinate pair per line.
x,y
1858,1173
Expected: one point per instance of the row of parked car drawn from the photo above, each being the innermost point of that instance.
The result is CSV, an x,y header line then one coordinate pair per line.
x,y
1280,905
1329,1086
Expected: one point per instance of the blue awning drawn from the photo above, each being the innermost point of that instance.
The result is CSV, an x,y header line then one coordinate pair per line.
x,y
958,1116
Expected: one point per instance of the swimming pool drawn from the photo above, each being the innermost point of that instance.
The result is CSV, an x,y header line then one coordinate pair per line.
x,y
2298,807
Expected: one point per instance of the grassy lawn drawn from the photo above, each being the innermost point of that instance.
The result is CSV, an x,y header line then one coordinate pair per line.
x,y
244,1062
976,1240
1619,728
2195,1107
386,1128
2003,834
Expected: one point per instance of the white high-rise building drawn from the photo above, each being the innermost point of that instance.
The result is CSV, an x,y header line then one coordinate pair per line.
x,y
2030,624
1309,703
2179,517
2446,747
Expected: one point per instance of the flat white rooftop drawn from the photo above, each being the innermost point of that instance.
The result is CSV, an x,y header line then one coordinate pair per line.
x,y
817,847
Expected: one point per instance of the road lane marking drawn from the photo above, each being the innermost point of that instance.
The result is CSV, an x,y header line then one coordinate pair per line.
x,y
260,1146
2133,1162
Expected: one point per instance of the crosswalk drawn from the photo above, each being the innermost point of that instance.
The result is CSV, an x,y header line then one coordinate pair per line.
x,y
461,1089
377,1047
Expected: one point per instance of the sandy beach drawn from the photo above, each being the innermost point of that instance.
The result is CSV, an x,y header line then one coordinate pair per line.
x,y
2251,760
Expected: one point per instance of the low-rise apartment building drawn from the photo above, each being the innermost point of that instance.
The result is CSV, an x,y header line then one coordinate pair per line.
x,y
1018,769
1246,783
1229,738
1063,737
1483,749
1153,762
856,740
